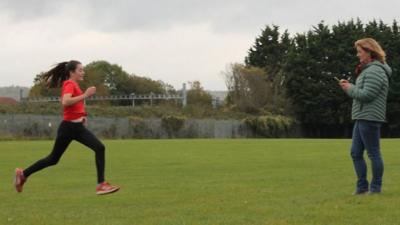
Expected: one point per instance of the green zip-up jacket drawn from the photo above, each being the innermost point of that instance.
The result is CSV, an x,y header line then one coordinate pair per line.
x,y
370,92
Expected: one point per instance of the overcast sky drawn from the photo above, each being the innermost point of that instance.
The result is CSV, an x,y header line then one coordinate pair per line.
x,y
175,41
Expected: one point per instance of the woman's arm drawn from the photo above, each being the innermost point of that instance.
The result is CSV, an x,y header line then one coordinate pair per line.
x,y
372,86
68,100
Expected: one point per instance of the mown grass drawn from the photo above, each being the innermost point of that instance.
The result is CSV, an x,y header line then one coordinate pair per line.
x,y
177,182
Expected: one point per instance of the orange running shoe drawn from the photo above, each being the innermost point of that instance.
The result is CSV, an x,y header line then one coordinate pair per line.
x,y
106,188
19,179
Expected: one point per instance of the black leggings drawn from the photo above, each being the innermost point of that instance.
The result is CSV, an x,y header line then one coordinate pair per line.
x,y
67,132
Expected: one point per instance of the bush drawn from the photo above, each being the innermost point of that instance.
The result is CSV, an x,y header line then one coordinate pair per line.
x,y
269,126
138,128
172,124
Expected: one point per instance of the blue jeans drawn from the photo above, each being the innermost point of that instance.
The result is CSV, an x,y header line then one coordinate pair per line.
x,y
366,135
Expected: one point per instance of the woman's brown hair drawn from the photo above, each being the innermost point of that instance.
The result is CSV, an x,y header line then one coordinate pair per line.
x,y
373,47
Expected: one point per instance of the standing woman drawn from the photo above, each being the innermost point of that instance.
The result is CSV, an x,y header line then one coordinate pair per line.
x,y
369,96
67,75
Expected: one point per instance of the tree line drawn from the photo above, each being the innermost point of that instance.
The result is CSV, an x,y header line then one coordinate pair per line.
x,y
293,75
112,79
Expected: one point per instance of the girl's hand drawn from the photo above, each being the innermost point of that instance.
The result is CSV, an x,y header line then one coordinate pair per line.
x,y
84,121
90,91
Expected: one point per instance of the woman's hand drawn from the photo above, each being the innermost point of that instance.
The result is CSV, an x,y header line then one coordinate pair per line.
x,y
345,84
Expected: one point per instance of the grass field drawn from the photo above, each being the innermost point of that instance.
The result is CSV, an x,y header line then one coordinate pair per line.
x,y
177,182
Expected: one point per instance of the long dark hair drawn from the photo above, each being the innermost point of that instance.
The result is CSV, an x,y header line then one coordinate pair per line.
x,y
59,73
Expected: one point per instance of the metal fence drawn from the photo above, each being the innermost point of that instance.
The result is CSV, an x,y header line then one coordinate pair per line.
x,y
45,126
182,97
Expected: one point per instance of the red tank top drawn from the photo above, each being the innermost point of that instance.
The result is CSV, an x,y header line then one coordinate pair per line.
x,y
77,110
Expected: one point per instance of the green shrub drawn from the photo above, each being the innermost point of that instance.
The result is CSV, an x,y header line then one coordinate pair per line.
x,y
172,124
269,126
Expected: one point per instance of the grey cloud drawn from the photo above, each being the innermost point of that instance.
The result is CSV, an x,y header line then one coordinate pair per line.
x,y
224,16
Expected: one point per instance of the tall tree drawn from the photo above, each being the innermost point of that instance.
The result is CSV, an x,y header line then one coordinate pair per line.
x,y
196,95
309,61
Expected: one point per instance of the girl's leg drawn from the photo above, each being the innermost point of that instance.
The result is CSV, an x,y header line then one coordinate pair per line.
x,y
90,140
64,138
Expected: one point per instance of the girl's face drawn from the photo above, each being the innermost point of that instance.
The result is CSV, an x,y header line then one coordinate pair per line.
x,y
78,73
363,55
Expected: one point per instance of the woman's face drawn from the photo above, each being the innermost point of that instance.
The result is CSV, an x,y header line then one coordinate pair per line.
x,y
78,73
363,55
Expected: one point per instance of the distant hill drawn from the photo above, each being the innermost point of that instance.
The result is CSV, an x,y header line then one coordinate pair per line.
x,y
13,92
